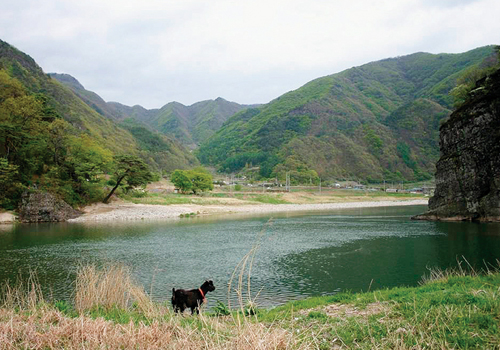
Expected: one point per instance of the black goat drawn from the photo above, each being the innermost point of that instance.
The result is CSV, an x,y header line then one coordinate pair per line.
x,y
182,299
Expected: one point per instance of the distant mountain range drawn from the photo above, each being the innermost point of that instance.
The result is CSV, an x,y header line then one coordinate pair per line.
x,y
376,122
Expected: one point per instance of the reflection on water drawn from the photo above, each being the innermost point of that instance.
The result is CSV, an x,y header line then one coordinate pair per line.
x,y
299,255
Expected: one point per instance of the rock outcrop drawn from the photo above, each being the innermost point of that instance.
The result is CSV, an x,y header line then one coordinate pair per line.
x,y
39,206
7,218
468,172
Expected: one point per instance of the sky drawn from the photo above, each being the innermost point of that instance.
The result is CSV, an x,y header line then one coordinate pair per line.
x,y
151,52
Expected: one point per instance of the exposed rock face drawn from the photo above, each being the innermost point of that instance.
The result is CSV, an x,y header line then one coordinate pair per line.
x,y
468,172
41,206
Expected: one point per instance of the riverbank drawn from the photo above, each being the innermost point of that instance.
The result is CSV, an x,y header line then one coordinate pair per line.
x,y
450,310
122,211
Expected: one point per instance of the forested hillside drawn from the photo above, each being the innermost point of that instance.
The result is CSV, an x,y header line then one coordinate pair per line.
x,y
50,138
193,124
376,122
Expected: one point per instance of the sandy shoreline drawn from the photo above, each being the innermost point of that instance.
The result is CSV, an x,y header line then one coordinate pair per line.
x,y
129,211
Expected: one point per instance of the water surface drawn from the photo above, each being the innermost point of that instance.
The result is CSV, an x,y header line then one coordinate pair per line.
x,y
298,255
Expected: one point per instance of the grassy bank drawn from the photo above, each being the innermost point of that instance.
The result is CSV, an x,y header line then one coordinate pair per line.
x,y
449,310
162,194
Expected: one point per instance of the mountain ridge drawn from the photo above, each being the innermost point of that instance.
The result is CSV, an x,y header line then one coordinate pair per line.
x,y
351,117
190,125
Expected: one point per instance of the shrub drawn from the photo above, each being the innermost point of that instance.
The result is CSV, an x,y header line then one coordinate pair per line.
x,y
221,309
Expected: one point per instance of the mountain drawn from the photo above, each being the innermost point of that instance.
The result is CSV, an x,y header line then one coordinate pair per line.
x,y
112,110
86,113
373,122
191,125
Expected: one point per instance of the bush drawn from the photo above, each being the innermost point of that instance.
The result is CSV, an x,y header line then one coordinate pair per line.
x,y
221,309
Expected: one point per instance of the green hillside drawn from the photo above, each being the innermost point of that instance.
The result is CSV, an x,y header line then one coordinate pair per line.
x,y
51,138
193,124
373,122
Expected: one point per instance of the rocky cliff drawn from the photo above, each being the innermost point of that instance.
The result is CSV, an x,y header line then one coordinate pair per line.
x,y
468,171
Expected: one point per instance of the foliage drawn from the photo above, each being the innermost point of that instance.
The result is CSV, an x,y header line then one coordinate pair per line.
x,y
193,124
23,139
131,169
10,185
160,152
195,180
298,171
221,309
466,82
374,141
181,180
246,159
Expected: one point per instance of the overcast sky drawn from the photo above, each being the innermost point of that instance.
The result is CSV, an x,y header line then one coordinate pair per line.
x,y
151,52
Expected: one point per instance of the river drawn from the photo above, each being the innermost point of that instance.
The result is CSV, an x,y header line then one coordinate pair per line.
x,y
296,256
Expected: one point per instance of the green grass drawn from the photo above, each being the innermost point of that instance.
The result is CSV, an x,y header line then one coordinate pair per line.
x,y
159,199
454,312
174,198
205,198
268,199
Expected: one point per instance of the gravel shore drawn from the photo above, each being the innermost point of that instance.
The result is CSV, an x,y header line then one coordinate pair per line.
x,y
127,211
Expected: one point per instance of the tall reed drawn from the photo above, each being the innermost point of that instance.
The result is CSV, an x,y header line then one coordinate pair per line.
x,y
109,287
22,295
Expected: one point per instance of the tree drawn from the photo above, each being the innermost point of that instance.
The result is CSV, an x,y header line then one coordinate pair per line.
x,y
131,169
181,180
201,181
192,180
23,130
10,187
86,158
58,131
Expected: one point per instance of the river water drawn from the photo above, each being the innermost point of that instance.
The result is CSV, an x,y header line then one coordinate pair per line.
x,y
296,256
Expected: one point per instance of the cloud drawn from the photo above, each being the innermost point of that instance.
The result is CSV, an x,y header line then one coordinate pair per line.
x,y
155,51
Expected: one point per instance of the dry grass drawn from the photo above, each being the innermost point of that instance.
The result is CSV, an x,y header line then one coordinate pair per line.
x,y
24,324
51,329
109,287
24,295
